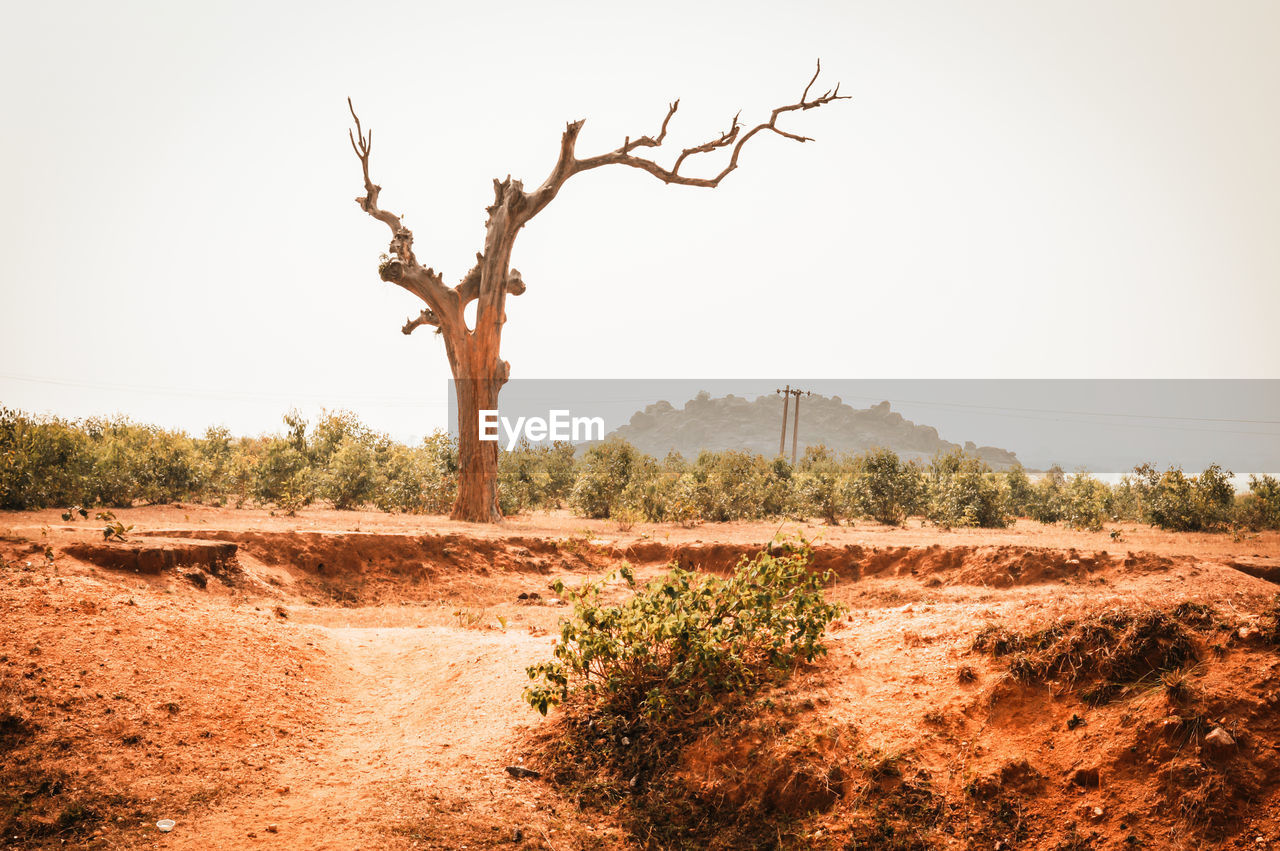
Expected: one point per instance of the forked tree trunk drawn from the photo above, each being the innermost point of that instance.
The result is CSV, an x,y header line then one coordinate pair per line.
x,y
474,353
478,371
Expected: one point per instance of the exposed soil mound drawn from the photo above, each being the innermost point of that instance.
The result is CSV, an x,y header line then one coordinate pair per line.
x,y
363,552
771,766
155,555
998,566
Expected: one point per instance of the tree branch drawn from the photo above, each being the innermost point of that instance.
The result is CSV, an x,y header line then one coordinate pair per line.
x,y
673,175
568,164
369,203
648,141
426,317
403,267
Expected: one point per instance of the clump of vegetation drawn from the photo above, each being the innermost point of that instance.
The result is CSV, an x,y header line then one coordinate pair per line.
x,y
685,654
1085,503
962,491
535,477
899,812
1271,622
638,678
604,474
1106,654
1260,507
886,488
1180,503
114,530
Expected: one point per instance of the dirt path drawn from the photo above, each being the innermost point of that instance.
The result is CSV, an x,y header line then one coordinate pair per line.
x,y
410,753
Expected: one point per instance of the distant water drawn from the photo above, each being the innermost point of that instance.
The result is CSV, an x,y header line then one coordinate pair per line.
x,y
1239,481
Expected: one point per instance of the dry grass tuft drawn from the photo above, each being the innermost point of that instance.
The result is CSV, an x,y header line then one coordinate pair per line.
x,y
1107,654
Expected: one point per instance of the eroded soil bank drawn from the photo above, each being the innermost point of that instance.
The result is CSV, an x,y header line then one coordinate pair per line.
x,y
343,680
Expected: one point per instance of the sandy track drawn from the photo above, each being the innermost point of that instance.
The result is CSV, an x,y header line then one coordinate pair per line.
x,y
419,724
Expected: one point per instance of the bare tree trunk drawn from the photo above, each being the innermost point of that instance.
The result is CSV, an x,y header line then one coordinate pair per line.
x,y
477,500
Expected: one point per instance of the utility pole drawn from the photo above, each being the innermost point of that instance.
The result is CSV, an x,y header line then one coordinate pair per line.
x,y
795,427
786,398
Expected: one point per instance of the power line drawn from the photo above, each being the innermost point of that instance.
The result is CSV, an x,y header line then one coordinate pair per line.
x,y
1078,413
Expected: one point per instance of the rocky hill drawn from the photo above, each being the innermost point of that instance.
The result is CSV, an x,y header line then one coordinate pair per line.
x,y
733,422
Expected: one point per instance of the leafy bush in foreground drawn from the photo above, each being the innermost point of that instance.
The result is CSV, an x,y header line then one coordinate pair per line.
x,y
682,644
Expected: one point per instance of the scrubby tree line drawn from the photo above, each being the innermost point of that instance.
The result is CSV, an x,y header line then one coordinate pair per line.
x,y
113,462
953,489
52,462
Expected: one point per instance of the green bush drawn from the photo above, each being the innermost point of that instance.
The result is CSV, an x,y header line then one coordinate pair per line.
x,y
532,477
283,475
821,485
1125,502
216,460
1174,501
332,431
1216,497
1021,493
962,491
521,479
43,462
734,485
663,491
665,657
1048,502
133,462
651,487
350,477
170,468
419,480
886,488
560,471
1085,502
1260,507
603,475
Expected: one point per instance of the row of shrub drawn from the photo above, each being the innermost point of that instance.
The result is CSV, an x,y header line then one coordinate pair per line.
x,y
113,462
48,461
952,490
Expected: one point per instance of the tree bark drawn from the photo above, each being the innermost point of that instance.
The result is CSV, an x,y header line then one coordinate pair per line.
x,y
477,499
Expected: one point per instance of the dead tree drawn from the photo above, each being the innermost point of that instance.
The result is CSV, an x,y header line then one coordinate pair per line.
x,y
478,368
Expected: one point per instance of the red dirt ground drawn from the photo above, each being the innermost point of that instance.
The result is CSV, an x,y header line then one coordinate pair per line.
x,y
350,685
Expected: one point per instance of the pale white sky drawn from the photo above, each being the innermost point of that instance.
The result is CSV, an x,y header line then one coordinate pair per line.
x,y
1049,189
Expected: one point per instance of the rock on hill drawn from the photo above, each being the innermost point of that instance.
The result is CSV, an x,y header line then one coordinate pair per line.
x,y
733,422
